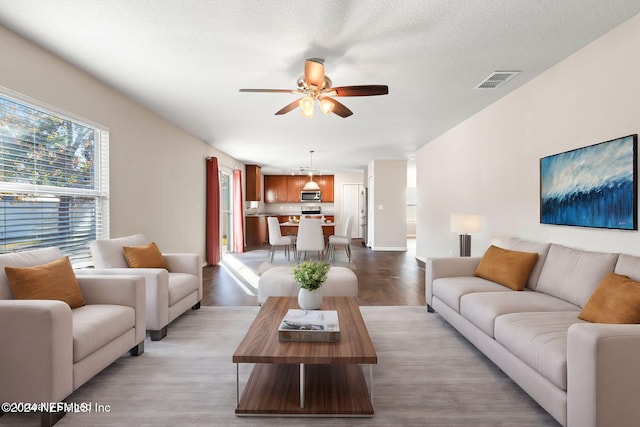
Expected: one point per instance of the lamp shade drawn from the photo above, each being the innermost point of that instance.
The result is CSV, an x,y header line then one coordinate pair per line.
x,y
466,223
311,184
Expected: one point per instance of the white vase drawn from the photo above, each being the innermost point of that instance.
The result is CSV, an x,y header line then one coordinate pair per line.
x,y
310,300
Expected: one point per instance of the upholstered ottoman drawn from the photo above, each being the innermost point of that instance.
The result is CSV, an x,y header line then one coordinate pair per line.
x,y
279,282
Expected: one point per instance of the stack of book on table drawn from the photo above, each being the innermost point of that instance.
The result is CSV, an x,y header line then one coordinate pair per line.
x,y
310,325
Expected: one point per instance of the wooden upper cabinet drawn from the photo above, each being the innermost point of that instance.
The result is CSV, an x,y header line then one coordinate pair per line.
x,y
254,183
294,186
286,188
275,189
326,186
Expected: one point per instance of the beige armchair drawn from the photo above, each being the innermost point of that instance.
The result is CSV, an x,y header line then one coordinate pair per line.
x,y
48,350
169,293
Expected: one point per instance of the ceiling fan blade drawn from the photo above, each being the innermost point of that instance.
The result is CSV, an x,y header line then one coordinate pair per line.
x,y
339,108
284,110
314,72
270,90
365,90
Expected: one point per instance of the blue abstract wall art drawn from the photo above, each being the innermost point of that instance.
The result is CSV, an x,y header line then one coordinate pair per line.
x,y
594,186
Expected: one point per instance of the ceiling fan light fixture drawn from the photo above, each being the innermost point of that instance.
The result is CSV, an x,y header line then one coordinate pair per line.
x,y
307,105
326,106
314,86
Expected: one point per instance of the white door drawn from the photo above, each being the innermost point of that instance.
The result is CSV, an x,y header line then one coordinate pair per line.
x,y
351,208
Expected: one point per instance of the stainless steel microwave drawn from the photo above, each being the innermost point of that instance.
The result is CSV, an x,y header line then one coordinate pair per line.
x,y
310,196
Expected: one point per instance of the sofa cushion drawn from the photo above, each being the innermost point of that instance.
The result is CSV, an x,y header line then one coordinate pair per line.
x,y
451,289
616,300
573,274
541,249
507,267
96,325
24,259
181,285
539,340
628,265
109,254
482,308
51,281
145,256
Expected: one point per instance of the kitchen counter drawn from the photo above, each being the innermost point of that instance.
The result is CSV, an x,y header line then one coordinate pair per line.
x,y
291,228
257,231
296,224
281,214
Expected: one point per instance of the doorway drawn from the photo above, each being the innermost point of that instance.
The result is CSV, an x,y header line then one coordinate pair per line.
x,y
226,212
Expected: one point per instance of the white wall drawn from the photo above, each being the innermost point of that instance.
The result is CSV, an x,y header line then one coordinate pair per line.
x,y
157,170
388,201
489,164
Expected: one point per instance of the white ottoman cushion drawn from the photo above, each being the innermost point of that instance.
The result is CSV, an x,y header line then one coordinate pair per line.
x,y
279,282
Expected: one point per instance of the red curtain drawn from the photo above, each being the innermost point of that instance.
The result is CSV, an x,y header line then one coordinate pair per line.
x,y
238,212
213,212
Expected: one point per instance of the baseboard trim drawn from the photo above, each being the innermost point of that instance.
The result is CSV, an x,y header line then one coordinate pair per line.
x,y
389,248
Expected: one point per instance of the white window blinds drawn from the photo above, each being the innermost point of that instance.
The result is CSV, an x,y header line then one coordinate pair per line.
x,y
53,179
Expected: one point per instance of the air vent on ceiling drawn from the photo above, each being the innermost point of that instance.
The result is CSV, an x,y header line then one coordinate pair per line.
x,y
496,79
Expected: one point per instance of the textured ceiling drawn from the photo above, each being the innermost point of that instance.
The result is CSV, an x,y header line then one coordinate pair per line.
x,y
186,60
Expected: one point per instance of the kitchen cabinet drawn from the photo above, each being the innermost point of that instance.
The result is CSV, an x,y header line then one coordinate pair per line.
x,y
286,188
294,186
256,231
253,183
275,188
326,186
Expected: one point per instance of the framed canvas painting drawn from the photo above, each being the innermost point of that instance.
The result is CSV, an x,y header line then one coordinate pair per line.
x,y
594,186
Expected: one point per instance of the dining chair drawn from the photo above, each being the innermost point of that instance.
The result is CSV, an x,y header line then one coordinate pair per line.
x,y
344,239
276,238
310,238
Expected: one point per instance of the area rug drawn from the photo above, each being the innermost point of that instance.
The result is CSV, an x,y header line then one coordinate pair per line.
x,y
427,375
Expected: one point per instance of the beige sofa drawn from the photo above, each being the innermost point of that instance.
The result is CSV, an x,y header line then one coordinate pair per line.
x,y
169,293
48,350
584,374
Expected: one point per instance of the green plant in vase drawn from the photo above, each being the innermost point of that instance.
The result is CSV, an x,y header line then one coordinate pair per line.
x,y
310,275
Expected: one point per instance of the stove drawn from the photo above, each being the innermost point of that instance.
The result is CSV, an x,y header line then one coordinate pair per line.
x,y
310,210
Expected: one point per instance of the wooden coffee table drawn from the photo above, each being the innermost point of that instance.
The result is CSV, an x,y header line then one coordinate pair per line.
x,y
306,378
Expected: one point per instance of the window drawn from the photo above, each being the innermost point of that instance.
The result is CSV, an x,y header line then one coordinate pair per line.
x,y
53,179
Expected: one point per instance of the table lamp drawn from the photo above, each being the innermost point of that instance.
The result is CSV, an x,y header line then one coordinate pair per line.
x,y
465,224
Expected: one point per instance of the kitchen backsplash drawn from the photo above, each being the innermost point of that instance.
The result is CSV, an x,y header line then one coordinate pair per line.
x,y
294,208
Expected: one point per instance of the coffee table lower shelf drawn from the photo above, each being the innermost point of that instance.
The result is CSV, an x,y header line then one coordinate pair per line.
x,y
330,390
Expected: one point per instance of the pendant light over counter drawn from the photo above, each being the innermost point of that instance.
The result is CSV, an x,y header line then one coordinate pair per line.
x,y
311,184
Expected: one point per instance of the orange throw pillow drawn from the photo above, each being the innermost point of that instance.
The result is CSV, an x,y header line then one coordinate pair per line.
x,y
52,281
146,256
615,300
506,267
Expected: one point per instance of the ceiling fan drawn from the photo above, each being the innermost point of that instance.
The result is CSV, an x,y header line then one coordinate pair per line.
x,y
316,86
